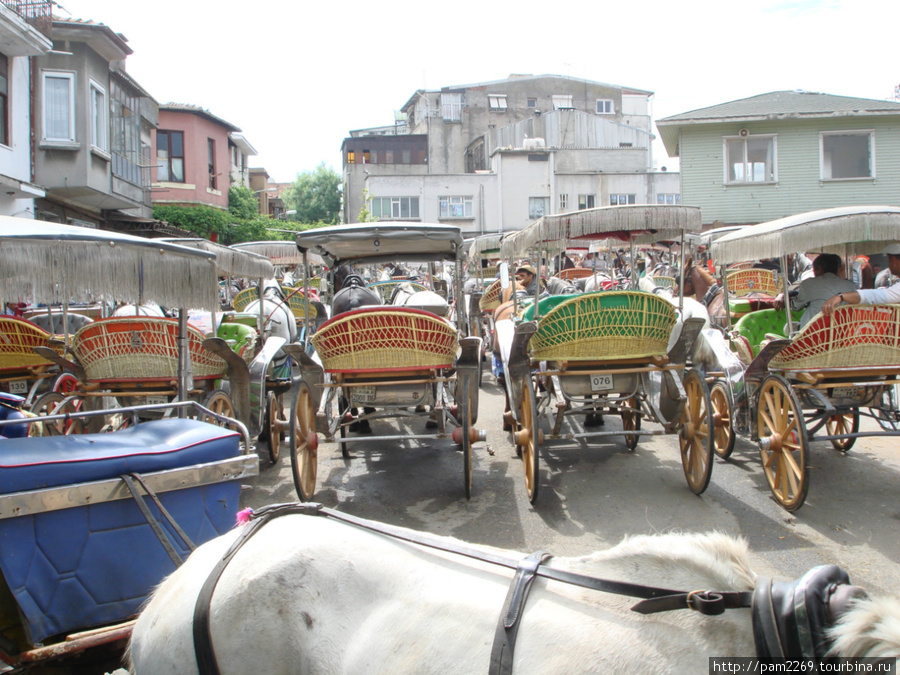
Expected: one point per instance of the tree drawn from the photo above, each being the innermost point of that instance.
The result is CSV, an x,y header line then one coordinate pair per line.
x,y
315,196
242,202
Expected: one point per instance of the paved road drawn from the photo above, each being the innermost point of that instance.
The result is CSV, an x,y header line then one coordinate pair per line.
x,y
593,495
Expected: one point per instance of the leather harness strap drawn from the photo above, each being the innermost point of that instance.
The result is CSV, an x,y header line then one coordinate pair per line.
x,y
508,626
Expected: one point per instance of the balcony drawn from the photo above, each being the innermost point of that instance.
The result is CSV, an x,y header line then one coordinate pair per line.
x,y
25,28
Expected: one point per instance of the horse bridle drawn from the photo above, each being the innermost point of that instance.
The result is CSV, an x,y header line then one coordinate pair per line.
x,y
653,599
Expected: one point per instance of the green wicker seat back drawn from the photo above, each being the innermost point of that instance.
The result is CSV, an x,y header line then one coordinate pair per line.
x,y
244,298
545,305
757,325
604,325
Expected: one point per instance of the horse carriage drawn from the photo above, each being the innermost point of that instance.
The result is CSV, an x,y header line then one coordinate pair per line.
x,y
407,362
574,358
74,508
481,290
818,383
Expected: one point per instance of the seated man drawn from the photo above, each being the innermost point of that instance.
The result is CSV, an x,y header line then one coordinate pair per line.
x,y
527,281
812,293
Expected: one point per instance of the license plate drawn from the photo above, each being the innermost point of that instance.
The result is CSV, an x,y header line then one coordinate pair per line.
x,y
363,394
156,400
602,382
845,392
18,387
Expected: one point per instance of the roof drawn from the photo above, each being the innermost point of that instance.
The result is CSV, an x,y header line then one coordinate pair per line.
x,y
521,78
197,110
119,41
775,105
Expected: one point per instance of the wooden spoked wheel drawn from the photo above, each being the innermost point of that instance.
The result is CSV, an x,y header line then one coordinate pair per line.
x,y
276,423
696,436
219,402
783,442
54,403
304,444
631,421
723,436
464,433
843,423
528,440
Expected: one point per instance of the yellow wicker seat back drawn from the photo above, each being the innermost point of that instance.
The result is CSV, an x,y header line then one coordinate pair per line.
x,y
137,348
18,338
855,336
297,303
490,299
244,298
666,282
604,325
742,282
379,339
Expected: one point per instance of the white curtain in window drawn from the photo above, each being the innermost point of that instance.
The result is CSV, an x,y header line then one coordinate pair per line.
x,y
57,110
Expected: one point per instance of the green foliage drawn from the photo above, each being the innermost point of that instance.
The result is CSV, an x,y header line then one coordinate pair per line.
x,y
242,202
364,214
315,196
201,220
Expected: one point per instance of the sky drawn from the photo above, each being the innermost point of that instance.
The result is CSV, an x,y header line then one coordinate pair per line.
x,y
297,76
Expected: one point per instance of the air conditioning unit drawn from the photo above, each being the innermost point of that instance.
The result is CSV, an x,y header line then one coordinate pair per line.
x,y
744,133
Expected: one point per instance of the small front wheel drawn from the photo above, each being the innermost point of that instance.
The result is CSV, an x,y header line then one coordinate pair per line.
x,y
723,437
696,436
843,423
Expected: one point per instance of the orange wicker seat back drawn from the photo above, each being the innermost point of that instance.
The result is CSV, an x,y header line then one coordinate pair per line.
x,y
574,273
140,348
18,338
371,339
743,282
855,336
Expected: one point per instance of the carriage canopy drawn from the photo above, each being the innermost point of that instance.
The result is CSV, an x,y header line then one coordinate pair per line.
x,y
231,261
383,242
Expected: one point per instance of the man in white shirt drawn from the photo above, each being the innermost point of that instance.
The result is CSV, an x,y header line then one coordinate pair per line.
x,y
872,296
812,293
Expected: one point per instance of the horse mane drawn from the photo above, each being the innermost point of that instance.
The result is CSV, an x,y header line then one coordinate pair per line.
x,y
722,560
871,628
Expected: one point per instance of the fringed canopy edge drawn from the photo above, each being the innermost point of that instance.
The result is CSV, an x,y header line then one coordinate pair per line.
x,y
232,262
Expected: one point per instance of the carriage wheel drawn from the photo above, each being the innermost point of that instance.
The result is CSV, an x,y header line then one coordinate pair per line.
x,y
783,442
66,383
696,436
463,433
46,405
843,423
219,402
723,438
631,421
304,443
275,425
528,440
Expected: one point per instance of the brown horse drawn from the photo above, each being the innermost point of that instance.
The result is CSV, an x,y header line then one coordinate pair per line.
x,y
698,283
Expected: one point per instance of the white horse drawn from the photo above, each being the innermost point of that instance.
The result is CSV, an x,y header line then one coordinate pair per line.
x,y
146,309
406,295
690,308
310,594
278,320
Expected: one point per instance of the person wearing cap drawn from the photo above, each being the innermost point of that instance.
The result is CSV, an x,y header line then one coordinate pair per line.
x,y
527,279
870,296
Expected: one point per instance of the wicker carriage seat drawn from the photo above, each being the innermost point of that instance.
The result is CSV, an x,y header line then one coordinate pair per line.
x,y
854,337
490,299
762,325
240,337
18,338
575,273
744,282
53,322
607,325
385,339
126,349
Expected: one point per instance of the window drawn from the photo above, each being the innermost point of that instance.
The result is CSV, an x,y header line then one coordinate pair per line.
x,y
395,208
388,156
848,154
367,157
405,157
456,207
99,125
562,101
605,107
497,102
563,203
59,106
4,100
351,157
128,154
211,163
451,106
538,207
750,159
621,200
668,198
531,102
170,156
586,201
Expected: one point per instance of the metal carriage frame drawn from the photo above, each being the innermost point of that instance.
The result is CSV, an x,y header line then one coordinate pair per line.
x,y
784,409
659,387
442,395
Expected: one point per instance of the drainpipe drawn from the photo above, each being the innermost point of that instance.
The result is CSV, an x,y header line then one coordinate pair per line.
x,y
32,83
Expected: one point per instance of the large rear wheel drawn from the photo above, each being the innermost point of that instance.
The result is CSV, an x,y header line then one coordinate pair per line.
x,y
304,444
696,437
723,437
783,442
528,440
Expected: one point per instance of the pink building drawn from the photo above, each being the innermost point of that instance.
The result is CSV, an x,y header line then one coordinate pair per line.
x,y
193,161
